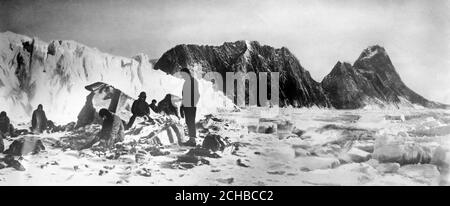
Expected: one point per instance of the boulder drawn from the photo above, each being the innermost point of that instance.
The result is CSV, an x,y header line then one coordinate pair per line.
x,y
25,145
214,142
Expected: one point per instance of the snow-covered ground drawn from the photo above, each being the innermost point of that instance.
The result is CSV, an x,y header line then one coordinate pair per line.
x,y
330,147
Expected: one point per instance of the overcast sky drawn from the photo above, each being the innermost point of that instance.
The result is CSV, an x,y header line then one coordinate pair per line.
x,y
416,34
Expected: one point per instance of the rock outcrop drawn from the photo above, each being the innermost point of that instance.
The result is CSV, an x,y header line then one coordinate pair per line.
x,y
296,87
371,80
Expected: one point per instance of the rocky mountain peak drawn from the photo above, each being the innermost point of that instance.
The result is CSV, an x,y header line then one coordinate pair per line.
x,y
372,51
371,80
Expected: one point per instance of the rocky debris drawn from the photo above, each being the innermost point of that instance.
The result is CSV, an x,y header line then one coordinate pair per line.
x,y
144,172
202,152
276,172
189,161
392,149
241,163
25,145
297,88
311,163
215,142
298,132
140,156
102,172
10,161
156,151
423,172
52,127
80,138
388,167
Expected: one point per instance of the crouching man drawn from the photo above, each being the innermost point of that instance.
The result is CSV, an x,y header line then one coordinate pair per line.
x,y
112,130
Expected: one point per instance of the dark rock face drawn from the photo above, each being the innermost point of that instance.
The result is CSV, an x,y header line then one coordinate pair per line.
x,y
297,88
371,80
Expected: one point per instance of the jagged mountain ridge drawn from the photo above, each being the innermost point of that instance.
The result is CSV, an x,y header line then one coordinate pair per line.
x,y
371,80
297,88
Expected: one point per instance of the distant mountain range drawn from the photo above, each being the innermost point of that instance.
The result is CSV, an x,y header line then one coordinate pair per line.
x,y
371,81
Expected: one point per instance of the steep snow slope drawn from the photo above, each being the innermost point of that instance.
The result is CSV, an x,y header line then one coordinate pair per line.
x,y
54,74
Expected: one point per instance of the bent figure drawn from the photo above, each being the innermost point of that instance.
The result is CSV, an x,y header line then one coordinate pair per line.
x,y
140,108
112,130
188,107
39,120
166,106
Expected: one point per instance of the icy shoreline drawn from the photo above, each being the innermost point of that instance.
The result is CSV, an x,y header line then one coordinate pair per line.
x,y
314,157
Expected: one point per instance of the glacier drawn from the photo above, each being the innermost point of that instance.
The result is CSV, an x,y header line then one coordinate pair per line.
x,y
54,74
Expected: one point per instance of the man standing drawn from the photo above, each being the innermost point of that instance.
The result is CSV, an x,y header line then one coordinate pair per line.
x,y
188,107
39,120
140,108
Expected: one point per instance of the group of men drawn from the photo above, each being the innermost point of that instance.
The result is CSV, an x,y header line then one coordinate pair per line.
x,y
38,122
113,128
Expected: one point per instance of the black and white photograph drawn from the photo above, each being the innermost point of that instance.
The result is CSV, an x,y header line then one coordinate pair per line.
x,y
224,93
